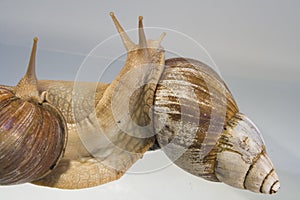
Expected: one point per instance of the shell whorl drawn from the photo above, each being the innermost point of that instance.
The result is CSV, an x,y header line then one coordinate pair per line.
x,y
242,160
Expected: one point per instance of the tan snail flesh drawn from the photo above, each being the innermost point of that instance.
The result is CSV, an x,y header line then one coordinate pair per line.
x,y
179,105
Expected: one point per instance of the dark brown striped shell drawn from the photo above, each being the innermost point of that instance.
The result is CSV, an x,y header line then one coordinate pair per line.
x,y
32,138
192,104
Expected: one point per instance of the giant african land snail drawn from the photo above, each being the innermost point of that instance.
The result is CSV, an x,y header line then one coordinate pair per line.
x,y
180,105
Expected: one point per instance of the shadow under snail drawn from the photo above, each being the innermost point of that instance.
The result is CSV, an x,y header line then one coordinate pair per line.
x,y
75,135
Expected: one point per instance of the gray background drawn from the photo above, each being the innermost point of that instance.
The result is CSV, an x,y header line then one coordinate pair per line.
x,y
255,45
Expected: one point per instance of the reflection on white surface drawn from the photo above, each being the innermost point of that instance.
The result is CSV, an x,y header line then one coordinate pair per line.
x,y
263,79
170,183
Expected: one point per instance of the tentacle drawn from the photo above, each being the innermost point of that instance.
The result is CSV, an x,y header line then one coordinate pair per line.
x,y
161,37
142,40
30,74
27,87
129,45
142,36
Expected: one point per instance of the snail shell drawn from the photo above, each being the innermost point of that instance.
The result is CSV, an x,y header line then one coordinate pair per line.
x,y
191,106
216,143
32,133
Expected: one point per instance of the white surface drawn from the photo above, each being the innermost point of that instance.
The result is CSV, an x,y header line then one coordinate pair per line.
x,y
255,45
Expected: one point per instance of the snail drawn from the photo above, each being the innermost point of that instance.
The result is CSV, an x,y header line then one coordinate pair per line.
x,y
33,132
178,105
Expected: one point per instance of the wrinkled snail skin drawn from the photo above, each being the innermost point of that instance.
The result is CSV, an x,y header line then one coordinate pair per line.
x,y
61,94
78,168
179,105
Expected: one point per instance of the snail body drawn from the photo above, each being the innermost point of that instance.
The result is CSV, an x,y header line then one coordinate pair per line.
x,y
178,105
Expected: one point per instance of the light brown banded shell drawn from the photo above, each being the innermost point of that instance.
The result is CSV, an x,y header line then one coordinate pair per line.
x,y
191,105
